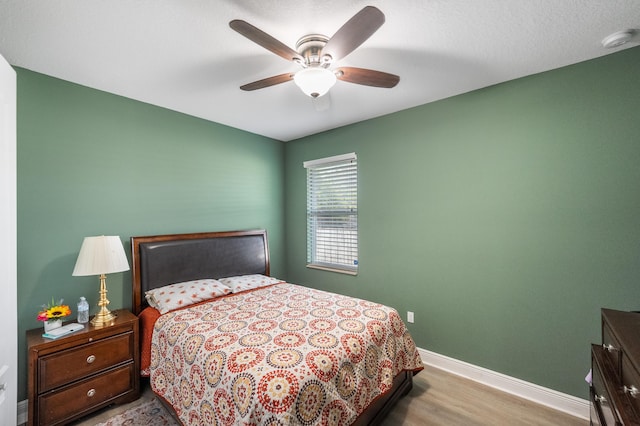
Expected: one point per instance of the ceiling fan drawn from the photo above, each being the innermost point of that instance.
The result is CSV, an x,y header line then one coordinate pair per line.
x,y
317,54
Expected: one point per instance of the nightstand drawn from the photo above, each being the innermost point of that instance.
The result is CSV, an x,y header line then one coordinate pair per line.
x,y
87,370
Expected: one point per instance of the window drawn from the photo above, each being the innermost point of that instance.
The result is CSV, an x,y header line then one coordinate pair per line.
x,y
332,213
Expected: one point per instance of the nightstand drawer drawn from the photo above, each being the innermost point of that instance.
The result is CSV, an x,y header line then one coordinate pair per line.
x,y
62,404
73,364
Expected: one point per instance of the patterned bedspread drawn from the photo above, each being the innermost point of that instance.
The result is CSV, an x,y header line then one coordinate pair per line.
x,y
278,355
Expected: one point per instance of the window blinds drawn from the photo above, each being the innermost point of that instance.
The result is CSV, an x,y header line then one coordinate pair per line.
x,y
332,212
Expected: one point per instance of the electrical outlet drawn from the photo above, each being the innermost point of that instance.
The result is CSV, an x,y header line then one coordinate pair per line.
x,y
410,317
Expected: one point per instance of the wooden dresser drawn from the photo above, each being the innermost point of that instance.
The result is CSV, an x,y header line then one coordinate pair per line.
x,y
615,366
76,374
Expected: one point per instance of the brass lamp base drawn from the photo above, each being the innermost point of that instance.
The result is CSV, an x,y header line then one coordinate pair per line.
x,y
104,315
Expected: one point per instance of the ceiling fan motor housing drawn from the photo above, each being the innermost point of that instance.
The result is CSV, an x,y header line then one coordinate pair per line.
x,y
310,48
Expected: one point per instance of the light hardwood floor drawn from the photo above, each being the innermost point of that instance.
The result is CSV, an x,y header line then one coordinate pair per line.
x,y
438,398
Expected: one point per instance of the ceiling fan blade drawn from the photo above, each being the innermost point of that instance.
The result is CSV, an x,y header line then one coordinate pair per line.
x,y
258,36
266,82
353,33
367,77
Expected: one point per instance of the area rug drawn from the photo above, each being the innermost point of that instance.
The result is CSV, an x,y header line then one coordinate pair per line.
x,y
150,413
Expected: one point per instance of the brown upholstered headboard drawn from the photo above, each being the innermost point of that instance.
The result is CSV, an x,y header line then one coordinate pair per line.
x,y
159,260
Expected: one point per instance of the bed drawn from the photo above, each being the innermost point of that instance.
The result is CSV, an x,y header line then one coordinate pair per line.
x,y
262,351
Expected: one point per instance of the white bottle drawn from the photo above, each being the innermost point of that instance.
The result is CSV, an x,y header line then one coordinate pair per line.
x,y
83,311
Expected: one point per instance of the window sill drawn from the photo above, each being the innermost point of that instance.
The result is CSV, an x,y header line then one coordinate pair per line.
x,y
329,269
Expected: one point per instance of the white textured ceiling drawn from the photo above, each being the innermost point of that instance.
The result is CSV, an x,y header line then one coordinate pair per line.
x,y
182,55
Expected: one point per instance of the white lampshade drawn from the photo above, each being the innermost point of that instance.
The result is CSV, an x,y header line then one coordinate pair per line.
x,y
315,81
101,255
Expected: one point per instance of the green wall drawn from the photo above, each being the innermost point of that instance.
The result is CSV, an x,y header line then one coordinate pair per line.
x,y
504,218
92,163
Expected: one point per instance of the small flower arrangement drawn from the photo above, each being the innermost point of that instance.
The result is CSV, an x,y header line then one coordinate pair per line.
x,y
53,311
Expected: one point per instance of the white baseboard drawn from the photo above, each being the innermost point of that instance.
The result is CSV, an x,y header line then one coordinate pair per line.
x,y
548,397
22,411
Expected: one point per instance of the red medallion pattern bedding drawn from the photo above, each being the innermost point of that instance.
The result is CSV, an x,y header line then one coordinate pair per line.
x,y
282,354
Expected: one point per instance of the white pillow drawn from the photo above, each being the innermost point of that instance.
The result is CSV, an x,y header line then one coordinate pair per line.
x,y
247,282
178,295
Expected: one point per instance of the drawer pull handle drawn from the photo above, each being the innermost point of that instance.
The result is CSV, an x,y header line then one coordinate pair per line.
x,y
632,390
600,399
90,359
91,393
609,347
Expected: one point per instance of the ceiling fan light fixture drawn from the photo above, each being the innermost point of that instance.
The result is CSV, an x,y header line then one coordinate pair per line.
x,y
315,81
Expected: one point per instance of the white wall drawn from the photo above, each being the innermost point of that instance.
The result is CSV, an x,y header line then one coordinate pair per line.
x,y
8,246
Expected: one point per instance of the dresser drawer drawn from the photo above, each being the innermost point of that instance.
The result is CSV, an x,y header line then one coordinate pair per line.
x,y
76,363
602,410
611,346
62,404
631,383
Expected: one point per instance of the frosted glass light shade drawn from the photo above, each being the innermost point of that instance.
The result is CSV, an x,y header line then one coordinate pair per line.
x,y
101,255
315,82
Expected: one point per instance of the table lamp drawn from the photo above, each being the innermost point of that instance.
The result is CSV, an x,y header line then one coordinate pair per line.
x,y
100,256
